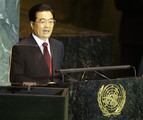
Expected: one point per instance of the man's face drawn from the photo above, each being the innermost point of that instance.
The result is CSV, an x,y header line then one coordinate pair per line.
x,y
44,24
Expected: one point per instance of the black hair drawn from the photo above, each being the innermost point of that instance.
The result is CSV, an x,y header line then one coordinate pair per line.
x,y
39,8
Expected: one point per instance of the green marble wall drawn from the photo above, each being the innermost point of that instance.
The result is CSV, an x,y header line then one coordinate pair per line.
x,y
9,34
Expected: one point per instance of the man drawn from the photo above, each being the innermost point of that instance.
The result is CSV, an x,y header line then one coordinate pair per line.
x,y
28,63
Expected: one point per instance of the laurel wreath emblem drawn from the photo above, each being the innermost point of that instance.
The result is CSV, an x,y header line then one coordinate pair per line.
x,y
111,99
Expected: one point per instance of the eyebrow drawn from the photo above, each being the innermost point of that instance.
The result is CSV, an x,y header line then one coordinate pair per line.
x,y
46,19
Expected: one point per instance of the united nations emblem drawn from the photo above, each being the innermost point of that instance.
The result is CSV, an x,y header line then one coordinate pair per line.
x,y
111,99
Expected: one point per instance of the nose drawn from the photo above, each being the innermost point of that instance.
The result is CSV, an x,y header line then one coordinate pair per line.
x,y
47,24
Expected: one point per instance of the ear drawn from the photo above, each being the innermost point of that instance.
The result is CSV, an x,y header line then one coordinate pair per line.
x,y
31,24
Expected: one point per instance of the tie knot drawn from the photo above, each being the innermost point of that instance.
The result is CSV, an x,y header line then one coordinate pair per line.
x,y
45,44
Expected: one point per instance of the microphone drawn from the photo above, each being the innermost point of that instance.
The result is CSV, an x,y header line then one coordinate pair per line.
x,y
86,66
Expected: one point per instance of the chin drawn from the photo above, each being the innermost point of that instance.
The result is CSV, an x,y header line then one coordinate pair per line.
x,y
47,36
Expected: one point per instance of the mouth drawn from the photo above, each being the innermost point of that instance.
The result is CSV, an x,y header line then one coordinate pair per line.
x,y
46,31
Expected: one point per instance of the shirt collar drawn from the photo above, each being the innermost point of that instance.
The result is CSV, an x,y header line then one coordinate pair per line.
x,y
39,41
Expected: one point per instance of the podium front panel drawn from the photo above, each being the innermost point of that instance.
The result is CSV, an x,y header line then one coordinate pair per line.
x,y
22,105
115,99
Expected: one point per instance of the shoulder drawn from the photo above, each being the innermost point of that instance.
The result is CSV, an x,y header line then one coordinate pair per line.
x,y
26,40
56,42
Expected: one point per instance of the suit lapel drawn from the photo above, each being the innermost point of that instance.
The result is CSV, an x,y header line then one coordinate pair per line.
x,y
53,52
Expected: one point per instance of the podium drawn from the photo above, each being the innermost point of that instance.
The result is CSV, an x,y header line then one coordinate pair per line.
x,y
106,98
35,103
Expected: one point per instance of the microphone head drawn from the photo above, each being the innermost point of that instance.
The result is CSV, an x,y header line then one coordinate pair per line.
x,y
57,70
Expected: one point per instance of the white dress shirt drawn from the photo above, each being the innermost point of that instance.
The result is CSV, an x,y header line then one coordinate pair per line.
x,y
40,42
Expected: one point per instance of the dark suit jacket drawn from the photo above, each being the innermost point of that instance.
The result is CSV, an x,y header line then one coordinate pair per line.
x,y
28,63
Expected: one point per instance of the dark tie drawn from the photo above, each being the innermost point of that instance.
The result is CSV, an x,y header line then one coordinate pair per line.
x,y
47,57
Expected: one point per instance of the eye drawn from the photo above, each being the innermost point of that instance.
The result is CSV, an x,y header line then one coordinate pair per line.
x,y
51,21
43,21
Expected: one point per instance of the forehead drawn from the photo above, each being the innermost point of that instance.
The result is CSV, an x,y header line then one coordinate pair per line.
x,y
44,14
